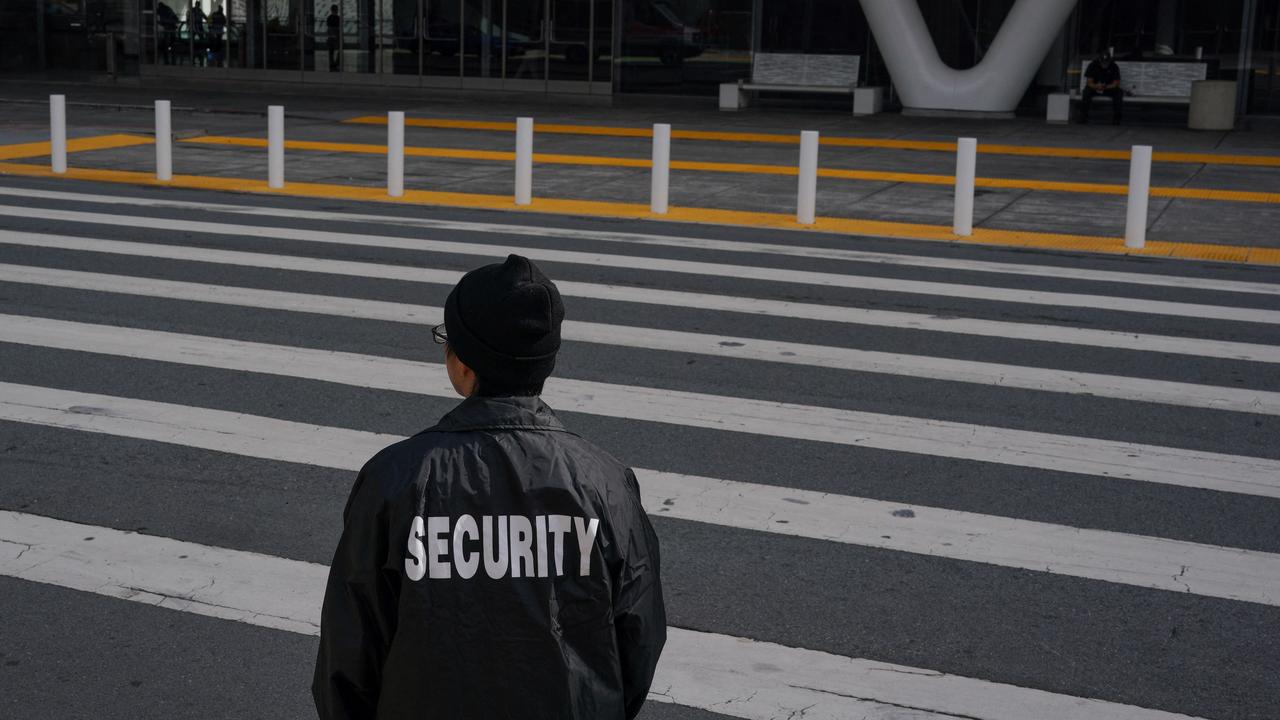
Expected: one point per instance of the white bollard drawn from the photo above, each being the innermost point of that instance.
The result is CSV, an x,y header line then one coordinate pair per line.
x,y
660,185
966,167
58,132
1135,226
164,142
395,153
524,161
275,146
1199,52
807,195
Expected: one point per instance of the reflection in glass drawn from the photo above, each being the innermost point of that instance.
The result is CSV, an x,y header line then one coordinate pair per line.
x,y
1265,96
482,38
526,53
569,54
440,38
602,62
685,46
284,51
398,37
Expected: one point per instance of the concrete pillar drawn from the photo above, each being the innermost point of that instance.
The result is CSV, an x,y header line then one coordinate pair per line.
x,y
993,85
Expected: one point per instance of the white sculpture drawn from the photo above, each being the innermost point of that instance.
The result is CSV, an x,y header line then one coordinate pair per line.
x,y
994,85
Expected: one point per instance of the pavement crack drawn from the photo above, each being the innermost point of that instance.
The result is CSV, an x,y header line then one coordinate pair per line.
x,y
732,700
25,548
1178,578
886,703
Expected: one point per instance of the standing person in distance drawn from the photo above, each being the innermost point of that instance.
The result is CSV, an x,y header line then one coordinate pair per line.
x,y
496,565
333,36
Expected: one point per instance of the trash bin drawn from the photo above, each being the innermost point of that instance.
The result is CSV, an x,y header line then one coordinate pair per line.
x,y
1213,105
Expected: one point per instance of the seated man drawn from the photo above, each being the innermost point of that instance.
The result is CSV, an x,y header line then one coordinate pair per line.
x,y
1102,77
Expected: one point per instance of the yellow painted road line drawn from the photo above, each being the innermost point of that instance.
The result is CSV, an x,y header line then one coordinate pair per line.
x,y
780,221
845,174
833,141
23,151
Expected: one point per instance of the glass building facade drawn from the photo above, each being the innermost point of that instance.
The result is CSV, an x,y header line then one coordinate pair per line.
x,y
599,47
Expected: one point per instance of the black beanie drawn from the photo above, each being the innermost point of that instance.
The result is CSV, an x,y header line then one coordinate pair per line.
x,y
503,322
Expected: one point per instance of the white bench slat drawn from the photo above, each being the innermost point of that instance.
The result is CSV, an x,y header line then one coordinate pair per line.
x,y
797,71
830,90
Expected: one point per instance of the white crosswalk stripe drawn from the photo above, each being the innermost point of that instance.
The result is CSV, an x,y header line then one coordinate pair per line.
x,y
1083,455
984,373
698,668
1171,565
686,267
700,243
1042,570
1253,352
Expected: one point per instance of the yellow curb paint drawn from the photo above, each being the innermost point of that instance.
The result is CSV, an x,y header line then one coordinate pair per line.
x,y
838,173
595,208
834,141
24,151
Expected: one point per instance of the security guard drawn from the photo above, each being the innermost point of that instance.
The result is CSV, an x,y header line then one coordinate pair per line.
x,y
496,565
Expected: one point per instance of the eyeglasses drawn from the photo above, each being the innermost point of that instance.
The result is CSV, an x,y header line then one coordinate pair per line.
x,y
439,335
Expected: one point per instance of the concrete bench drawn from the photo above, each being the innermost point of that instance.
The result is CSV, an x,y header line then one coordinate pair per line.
x,y
798,73
1149,83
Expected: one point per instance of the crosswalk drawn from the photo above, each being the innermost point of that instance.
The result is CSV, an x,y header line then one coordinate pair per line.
x,y
889,482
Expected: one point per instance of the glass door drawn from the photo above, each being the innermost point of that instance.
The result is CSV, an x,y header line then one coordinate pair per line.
x,y
1264,97
441,42
399,40
526,45
569,46
602,40
558,45
482,43
359,50
324,37
282,28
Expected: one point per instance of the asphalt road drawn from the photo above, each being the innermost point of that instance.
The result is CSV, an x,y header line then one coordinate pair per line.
x,y
1079,458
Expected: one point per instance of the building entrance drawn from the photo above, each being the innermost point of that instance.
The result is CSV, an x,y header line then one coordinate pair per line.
x,y
563,46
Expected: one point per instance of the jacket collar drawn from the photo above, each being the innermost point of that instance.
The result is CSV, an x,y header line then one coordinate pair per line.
x,y
494,413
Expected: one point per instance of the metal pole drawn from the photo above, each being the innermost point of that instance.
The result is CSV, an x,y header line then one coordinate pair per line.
x,y
660,184
966,167
807,195
111,54
524,161
58,132
164,142
395,153
275,146
1135,227
1244,71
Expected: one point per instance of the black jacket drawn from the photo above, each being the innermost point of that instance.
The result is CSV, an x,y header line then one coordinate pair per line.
x,y
460,589
1103,75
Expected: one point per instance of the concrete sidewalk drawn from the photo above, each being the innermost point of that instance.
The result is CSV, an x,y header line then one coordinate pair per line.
x,y
1029,204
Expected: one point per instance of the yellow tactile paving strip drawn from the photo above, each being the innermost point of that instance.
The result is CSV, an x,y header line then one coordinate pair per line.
x,y
1008,238
871,175
833,141
99,142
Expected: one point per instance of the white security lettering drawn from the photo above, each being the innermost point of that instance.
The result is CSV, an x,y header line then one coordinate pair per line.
x,y
511,546
495,566
438,544
586,530
466,563
557,527
540,523
521,546
414,565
